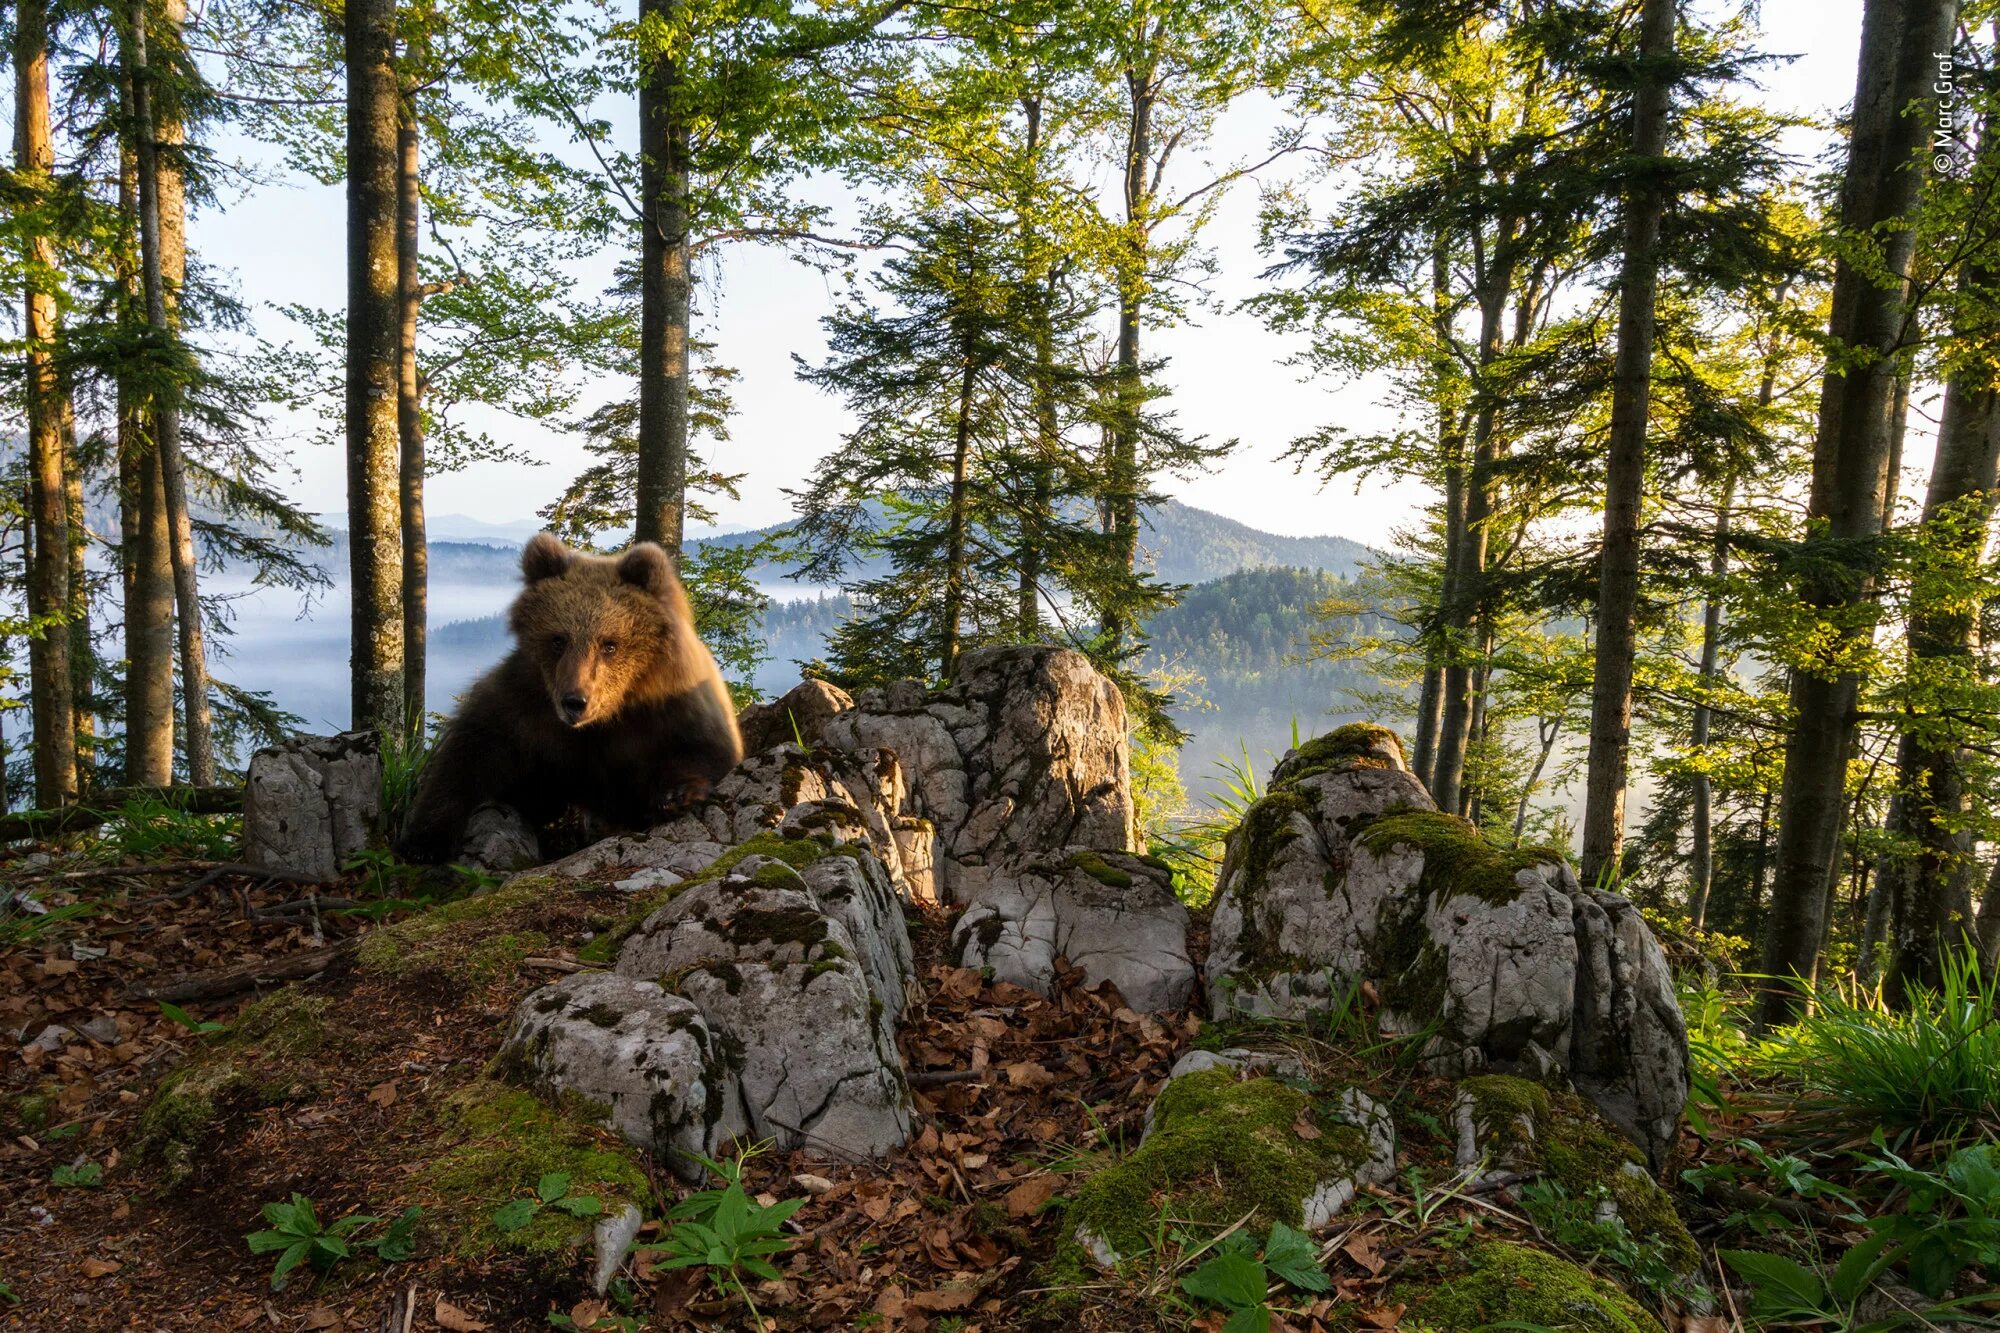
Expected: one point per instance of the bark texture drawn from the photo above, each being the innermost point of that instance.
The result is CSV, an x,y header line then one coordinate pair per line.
x,y
666,299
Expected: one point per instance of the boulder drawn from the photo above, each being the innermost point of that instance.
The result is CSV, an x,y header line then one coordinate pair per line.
x,y
782,983
1024,751
497,839
798,716
1112,914
1345,872
311,805
645,1055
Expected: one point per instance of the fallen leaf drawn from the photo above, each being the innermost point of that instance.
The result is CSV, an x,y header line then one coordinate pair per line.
x,y
1025,1198
1304,1127
945,1298
96,1268
585,1314
812,1184
322,1318
1028,1074
383,1094
891,1303
450,1317
1363,1250
1386,1316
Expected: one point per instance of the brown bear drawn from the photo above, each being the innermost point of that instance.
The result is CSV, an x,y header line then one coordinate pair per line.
x,y
608,703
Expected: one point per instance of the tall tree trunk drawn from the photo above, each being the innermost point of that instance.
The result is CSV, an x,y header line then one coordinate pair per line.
x,y
1701,863
1549,729
1989,923
1122,481
1608,768
410,423
1034,523
374,445
956,523
1468,579
161,197
146,559
82,649
1451,451
1928,911
666,298
51,692
1851,457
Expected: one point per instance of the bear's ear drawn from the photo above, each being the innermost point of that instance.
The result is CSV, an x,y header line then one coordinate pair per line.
x,y
545,558
646,567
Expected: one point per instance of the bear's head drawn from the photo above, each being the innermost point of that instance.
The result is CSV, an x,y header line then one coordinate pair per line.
x,y
606,632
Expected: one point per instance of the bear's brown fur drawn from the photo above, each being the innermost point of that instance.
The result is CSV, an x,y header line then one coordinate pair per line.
x,y
609,703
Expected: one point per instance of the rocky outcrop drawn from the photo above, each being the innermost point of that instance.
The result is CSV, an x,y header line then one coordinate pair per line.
x,y
1345,873
1112,914
311,805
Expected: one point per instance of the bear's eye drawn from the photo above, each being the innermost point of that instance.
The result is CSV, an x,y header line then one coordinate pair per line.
x,y
608,648
559,642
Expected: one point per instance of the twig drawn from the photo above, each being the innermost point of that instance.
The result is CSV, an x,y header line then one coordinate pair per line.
x,y
242,976
557,964
225,869
938,1078
117,872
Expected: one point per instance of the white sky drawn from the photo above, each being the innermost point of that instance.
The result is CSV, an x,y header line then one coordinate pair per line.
x,y
1228,374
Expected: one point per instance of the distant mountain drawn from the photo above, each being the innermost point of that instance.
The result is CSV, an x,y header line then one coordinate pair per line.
x,y
465,528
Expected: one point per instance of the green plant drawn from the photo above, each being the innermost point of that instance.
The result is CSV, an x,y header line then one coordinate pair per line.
x,y
1929,1070
199,1026
728,1234
551,1191
7,1293
399,1241
87,1175
150,829
1236,1279
1787,1293
296,1237
1950,1220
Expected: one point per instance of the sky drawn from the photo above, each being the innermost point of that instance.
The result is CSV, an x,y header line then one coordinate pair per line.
x,y
1229,375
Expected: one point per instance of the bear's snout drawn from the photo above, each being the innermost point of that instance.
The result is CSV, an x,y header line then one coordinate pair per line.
x,y
573,706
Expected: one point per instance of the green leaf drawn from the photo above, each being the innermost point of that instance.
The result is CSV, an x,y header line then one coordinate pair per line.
x,y
86,1175
1858,1269
1233,1281
511,1217
268,1242
1291,1255
1783,1286
1256,1319
287,1261
552,1186
580,1205
399,1242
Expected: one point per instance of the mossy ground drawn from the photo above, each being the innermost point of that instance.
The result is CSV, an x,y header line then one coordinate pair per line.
x,y
495,1142
1506,1285
1579,1152
1221,1147
472,941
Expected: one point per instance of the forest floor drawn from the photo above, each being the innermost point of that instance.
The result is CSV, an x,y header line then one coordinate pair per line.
x,y
352,1090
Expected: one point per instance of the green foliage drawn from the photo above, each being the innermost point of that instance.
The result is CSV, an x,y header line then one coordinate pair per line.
x,y
150,829
200,1027
726,1234
1583,1225
296,1237
1949,1220
86,1175
1930,1070
551,1191
1238,1280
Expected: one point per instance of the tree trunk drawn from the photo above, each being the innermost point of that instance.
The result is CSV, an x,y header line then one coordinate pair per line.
x,y
82,651
1928,914
1850,461
1451,449
1047,441
1549,729
666,299
374,446
1989,923
1608,768
1122,483
1701,863
410,425
146,559
51,692
161,197
955,530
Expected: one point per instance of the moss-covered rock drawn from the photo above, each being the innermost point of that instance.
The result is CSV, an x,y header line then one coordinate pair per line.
x,y
1522,1126
1513,1286
1458,859
1355,745
1220,1147
266,1059
472,940
497,1141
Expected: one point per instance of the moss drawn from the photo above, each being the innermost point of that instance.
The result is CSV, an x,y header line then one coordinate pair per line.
x,y
1268,827
1344,748
1409,963
1220,1148
1566,1140
756,925
795,853
446,939
31,1110
1095,866
499,1142
1510,1285
1458,861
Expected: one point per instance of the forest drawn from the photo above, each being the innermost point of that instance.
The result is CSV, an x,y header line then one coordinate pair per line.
x,y
1580,911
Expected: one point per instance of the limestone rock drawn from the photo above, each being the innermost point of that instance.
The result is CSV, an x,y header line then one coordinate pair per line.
x,y
800,715
499,840
1344,871
1024,752
629,1045
782,984
1112,914
311,804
